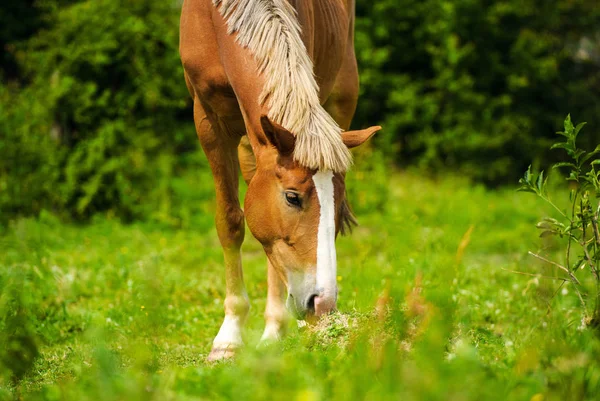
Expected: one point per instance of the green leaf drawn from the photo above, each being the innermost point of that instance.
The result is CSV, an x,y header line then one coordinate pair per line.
x,y
589,155
568,125
578,128
525,187
577,153
564,164
550,222
541,183
543,225
561,145
573,177
528,174
526,184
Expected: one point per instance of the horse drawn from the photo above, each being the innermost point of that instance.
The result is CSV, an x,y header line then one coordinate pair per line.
x,y
275,86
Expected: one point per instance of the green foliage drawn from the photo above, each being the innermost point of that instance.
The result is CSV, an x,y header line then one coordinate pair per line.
x,y
579,225
31,161
105,121
19,20
474,86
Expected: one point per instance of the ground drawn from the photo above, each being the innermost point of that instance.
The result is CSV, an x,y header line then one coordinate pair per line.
x,y
429,307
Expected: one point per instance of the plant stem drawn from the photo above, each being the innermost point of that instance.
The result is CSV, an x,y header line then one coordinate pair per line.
x,y
536,275
573,278
589,259
554,206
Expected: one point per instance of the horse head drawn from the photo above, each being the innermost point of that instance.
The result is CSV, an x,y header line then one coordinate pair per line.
x,y
296,213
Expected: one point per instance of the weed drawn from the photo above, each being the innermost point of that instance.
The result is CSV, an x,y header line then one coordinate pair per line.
x,y
579,224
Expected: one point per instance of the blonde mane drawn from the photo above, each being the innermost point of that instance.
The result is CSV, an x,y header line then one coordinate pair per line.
x,y
270,30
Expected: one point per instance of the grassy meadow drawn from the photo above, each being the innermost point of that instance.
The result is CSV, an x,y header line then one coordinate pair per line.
x,y
429,308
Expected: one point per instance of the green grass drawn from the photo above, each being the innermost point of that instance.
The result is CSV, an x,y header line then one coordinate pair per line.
x,y
125,312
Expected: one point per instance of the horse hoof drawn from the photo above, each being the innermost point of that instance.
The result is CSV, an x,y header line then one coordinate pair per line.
x,y
222,354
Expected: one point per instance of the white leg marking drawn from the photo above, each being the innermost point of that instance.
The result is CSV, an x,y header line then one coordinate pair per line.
x,y
273,332
326,257
230,333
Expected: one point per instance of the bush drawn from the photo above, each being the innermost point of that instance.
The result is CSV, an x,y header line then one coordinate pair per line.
x,y
476,86
578,225
106,117
31,161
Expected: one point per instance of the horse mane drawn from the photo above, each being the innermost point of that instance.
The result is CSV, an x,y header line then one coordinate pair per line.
x,y
271,31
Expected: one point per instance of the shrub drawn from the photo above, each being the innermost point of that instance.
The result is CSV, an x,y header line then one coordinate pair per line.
x,y
475,86
579,225
105,118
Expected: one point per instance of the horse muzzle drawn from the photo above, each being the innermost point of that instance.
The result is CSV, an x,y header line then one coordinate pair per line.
x,y
304,300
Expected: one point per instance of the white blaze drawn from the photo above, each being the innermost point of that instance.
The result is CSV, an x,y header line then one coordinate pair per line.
x,y
326,258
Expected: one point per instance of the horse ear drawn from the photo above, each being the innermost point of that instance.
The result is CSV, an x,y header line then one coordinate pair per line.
x,y
353,139
278,136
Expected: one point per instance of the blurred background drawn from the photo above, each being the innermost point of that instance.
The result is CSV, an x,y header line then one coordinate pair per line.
x,y
95,115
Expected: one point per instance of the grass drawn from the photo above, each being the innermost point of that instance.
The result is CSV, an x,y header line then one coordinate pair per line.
x,y
429,309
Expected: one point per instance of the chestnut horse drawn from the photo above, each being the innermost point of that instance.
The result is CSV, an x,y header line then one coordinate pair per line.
x,y
275,86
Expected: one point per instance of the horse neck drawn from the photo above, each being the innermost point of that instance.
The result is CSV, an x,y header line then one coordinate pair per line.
x,y
272,73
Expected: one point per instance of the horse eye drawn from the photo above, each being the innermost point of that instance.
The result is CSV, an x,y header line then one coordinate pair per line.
x,y
293,199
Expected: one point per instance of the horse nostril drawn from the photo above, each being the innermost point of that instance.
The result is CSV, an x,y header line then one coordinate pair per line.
x,y
310,303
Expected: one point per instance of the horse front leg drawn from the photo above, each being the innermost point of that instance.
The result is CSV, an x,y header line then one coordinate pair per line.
x,y
276,314
220,147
